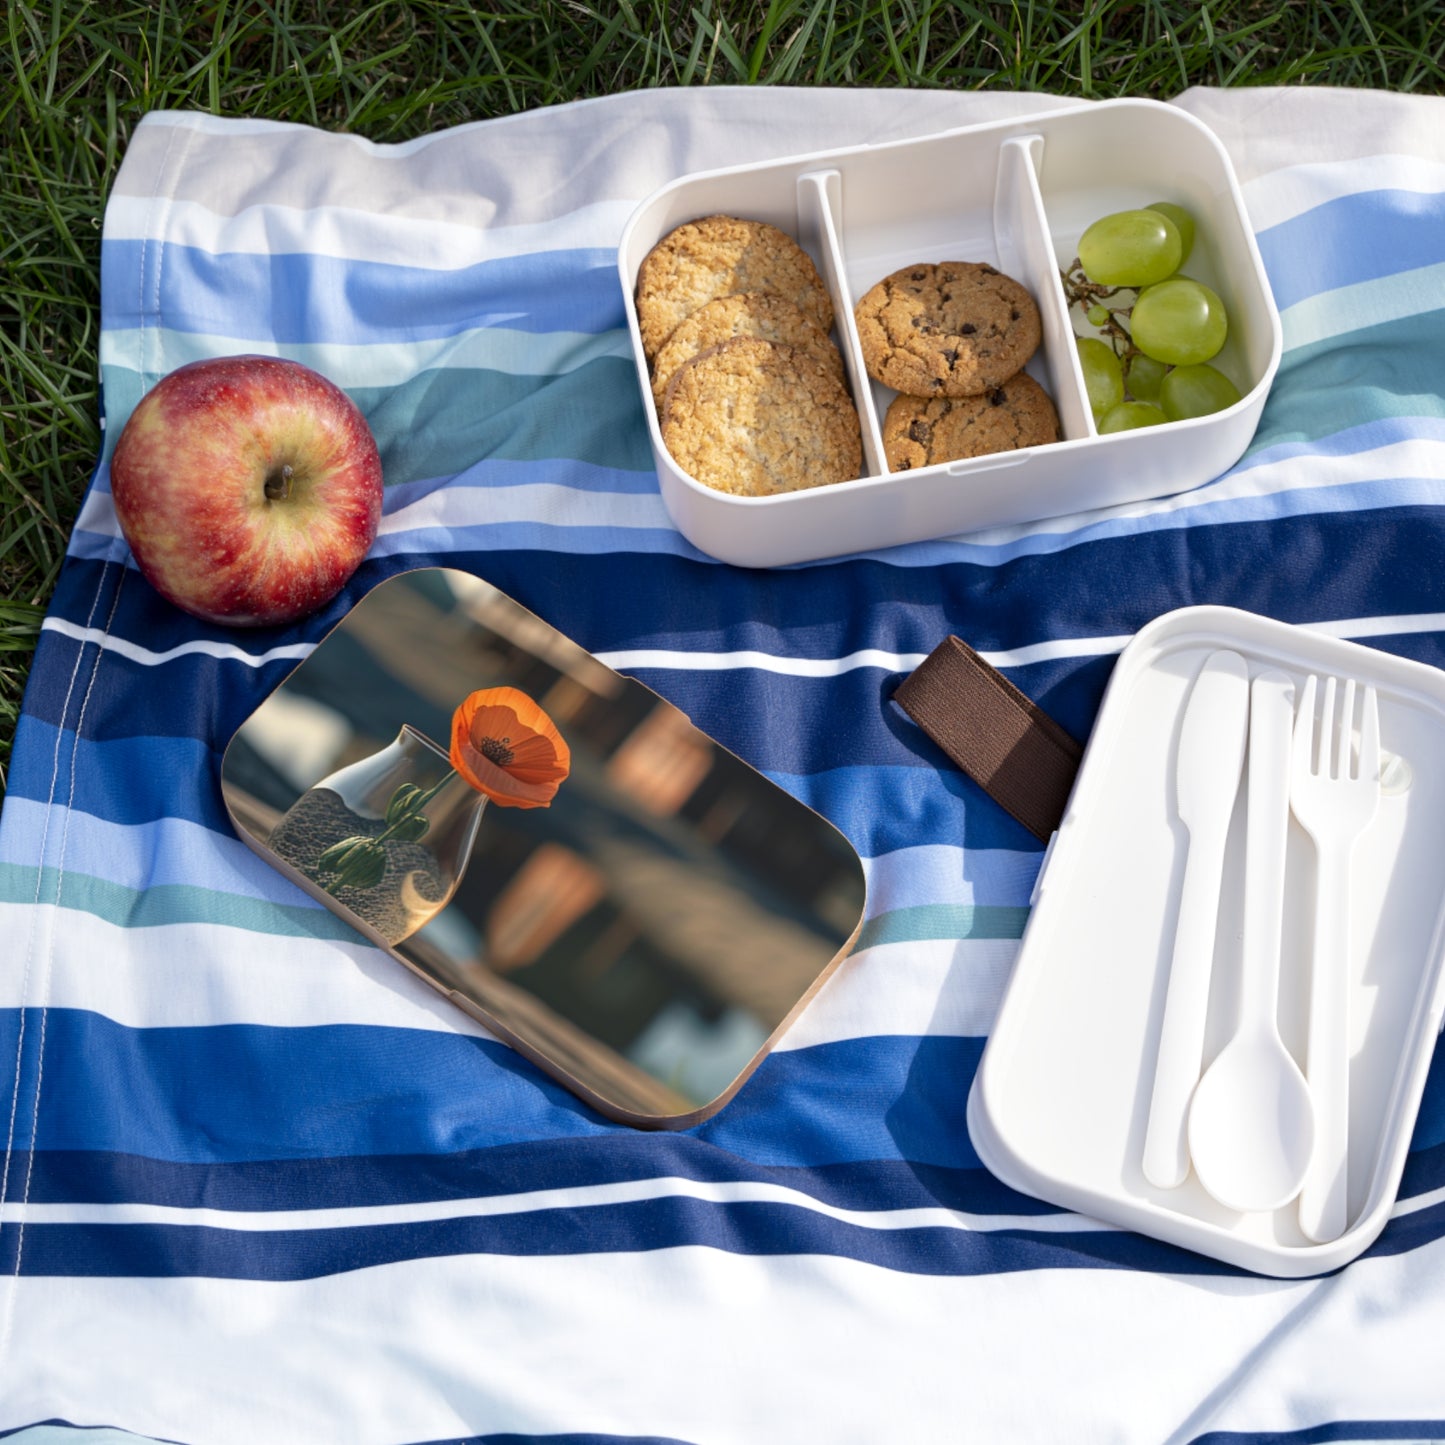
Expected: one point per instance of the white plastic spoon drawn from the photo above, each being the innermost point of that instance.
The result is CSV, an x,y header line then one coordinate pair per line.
x,y
1251,1121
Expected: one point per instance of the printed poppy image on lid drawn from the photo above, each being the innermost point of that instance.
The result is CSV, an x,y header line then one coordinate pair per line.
x,y
505,746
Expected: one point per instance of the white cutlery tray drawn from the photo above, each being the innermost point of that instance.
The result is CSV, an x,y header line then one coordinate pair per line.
x,y
1060,1104
1016,195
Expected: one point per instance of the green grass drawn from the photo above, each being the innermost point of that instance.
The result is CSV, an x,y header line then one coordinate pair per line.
x,y
75,78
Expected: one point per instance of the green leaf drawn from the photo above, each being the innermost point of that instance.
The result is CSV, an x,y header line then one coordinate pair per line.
x,y
334,858
402,802
410,828
363,867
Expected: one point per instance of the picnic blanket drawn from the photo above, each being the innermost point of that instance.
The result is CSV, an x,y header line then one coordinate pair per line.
x,y
259,1184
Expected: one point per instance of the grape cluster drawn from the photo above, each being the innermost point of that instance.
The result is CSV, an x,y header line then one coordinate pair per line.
x,y
1160,329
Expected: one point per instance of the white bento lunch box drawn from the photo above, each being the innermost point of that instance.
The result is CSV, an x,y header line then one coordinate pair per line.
x,y
1016,195
1060,1105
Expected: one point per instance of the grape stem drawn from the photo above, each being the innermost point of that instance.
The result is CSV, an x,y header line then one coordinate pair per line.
x,y
1085,294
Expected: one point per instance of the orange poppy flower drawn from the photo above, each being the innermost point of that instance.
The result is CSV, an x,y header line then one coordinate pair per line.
x,y
505,746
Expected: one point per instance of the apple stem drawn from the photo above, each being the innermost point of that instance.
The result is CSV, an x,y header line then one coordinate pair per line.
x,y
278,484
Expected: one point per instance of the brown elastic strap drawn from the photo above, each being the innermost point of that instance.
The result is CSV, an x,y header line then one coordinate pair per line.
x,y
1008,745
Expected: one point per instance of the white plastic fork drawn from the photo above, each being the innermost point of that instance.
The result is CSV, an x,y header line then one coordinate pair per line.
x,y
1334,796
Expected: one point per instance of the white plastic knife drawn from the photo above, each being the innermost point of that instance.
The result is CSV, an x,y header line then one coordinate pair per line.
x,y
1210,760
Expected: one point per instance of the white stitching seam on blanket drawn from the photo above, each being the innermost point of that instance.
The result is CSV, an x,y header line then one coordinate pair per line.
x,y
164,193
30,949
43,989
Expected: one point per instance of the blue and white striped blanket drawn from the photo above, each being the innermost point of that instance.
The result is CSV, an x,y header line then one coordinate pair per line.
x,y
260,1185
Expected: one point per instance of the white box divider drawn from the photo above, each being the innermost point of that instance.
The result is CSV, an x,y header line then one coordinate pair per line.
x,y
1026,249
820,215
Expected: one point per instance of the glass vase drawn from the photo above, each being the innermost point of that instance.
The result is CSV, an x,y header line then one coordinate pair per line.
x,y
387,836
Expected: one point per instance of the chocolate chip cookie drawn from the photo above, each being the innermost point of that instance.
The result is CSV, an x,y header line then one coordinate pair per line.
x,y
752,417
918,432
749,313
717,256
955,328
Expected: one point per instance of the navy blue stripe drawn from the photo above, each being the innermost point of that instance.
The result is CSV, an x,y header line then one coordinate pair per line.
x,y
1410,1231
1390,560
1425,1164
1340,565
300,297
508,1438
1370,565
74,1177
126,780
142,780
1353,238
1347,567
85,596
191,697
567,1439
180,699
1415,1431
198,696
755,1229
621,1156
206,697
352,1090
207,1094
1430,1126
459,1118
882,809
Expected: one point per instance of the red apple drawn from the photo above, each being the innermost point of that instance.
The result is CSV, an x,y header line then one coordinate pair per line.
x,y
249,489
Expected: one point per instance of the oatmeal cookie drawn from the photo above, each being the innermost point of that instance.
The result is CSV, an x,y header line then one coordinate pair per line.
x,y
717,256
748,313
753,418
918,432
956,328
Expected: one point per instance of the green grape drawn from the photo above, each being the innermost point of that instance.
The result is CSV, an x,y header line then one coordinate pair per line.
x,y
1183,223
1179,322
1131,414
1130,248
1103,376
1196,391
1098,315
1144,376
